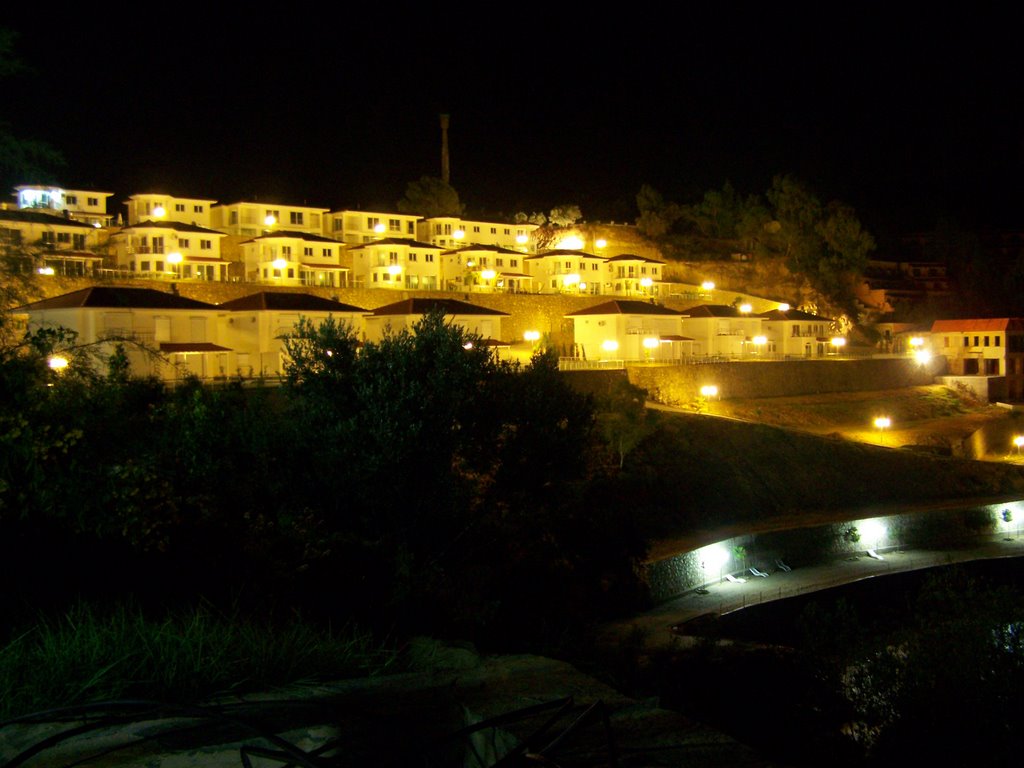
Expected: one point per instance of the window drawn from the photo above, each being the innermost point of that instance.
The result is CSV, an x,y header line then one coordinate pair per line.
x,y
286,250
412,256
986,341
63,237
179,207
339,223
296,217
325,252
392,257
71,199
476,228
160,266
78,243
394,225
372,222
507,231
976,341
277,217
158,244
291,272
494,230
437,229
93,201
205,244
183,242
513,262
144,266
499,262
197,209
967,341
999,341
411,228
593,267
945,340
233,217
314,220
307,251
428,257
483,261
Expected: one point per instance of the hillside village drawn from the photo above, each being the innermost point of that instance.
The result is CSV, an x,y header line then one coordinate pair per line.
x,y
214,287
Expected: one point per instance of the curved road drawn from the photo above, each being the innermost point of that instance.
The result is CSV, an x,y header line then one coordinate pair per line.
x,y
654,627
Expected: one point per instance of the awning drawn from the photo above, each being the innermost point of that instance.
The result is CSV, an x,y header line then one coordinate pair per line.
x,y
195,346
674,338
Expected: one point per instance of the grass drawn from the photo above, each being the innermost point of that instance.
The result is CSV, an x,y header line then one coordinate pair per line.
x,y
90,655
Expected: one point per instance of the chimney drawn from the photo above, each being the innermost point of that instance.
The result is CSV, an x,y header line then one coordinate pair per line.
x,y
445,170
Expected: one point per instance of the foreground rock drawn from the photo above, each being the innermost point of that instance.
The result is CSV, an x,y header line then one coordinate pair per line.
x,y
470,712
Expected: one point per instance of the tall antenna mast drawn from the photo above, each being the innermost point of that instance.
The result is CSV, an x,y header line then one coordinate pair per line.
x,y
445,169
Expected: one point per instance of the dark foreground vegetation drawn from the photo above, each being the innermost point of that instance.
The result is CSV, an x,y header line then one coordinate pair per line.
x,y
413,487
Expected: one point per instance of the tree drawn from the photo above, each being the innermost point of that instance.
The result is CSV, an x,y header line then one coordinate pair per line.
x,y
565,215
656,216
430,197
624,419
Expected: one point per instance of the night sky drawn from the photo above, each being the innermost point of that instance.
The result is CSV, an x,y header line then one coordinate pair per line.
x,y
908,118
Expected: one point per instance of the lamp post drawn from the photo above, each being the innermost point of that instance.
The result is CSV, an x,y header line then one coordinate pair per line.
x,y
174,259
881,424
1018,440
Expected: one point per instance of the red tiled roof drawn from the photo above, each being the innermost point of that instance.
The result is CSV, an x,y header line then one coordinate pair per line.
x,y
978,324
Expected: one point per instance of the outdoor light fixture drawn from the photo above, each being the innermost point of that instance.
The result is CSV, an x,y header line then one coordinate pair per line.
x,y
646,282
458,234
468,345
279,264
531,336
583,286
916,341
783,307
883,422
488,274
269,220
838,342
174,258
708,285
470,263
709,390
609,345
57,363
394,269
600,242
521,239
570,243
572,279
922,356
45,270
746,309
159,212
378,228
1018,441
651,342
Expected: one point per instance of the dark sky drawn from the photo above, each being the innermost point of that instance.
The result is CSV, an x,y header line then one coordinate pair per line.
x,y
909,118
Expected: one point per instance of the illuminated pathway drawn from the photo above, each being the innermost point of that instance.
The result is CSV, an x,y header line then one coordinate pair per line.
x,y
655,626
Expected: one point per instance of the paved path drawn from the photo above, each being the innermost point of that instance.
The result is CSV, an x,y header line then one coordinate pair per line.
x,y
655,626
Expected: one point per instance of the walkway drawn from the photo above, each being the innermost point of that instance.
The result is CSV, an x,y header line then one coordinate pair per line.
x,y
655,626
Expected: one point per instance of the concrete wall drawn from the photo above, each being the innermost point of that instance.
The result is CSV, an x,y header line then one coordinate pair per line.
x,y
938,529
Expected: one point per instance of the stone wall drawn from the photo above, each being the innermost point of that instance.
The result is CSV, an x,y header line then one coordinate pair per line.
x,y
680,384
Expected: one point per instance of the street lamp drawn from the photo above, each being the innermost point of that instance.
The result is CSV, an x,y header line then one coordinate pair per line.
x,y
838,342
882,423
174,259
746,309
1018,440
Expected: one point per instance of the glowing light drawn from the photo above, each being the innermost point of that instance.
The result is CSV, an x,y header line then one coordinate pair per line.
x,y
45,270
760,341
600,242
488,274
270,220
572,279
1018,441
470,263
570,243
646,282
159,212
709,390
651,342
395,269
838,342
378,228
279,263
783,307
174,257
872,532
713,556
531,336
468,345
883,422
708,285
458,234
96,224
917,341
609,345
57,363
746,309
521,239
922,356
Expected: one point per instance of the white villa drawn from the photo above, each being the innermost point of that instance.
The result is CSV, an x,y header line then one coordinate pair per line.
x,y
84,205
624,329
289,258
160,207
396,263
169,249
481,321
355,227
250,219
51,244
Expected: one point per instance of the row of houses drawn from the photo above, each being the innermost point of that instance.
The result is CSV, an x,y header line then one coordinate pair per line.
x,y
243,336
293,246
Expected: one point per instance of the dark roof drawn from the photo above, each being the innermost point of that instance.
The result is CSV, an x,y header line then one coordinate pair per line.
x,y
422,306
563,252
626,307
118,297
792,314
395,241
288,302
177,226
191,346
713,310
30,216
297,235
634,257
489,248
